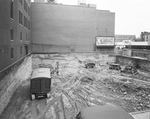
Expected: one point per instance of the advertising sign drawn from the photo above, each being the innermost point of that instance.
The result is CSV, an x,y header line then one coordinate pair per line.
x,y
127,42
105,41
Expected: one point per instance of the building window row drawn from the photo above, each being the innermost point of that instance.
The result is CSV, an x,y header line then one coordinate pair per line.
x,y
26,7
21,35
26,36
26,21
12,52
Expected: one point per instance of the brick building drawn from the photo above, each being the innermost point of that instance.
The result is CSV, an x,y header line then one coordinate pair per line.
x,y
68,28
15,32
55,28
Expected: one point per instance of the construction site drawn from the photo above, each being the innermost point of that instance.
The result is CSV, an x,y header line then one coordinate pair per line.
x,y
75,87
77,44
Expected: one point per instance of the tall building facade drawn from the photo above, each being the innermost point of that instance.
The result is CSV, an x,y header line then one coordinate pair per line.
x,y
66,28
55,28
145,36
15,30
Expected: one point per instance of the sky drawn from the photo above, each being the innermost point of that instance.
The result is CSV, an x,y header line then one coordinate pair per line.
x,y
131,16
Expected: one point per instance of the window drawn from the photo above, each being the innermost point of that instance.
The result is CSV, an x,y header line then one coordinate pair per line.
x,y
20,49
20,35
11,34
25,6
20,17
25,22
11,8
21,2
28,10
28,24
26,37
12,53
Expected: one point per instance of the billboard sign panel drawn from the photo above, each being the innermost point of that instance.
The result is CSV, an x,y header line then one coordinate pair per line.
x,y
127,42
105,41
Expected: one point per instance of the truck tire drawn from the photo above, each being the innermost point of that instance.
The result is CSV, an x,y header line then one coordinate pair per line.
x,y
32,97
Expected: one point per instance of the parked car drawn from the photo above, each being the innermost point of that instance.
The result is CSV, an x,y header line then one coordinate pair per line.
x,y
129,69
40,84
103,112
90,65
114,66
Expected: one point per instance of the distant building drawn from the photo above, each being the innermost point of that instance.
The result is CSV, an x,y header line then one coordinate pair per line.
x,y
81,2
145,36
40,1
68,28
55,28
148,39
15,30
121,38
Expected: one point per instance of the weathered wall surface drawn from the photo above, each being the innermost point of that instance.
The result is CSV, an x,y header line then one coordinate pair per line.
x,y
105,23
71,26
144,64
124,60
10,82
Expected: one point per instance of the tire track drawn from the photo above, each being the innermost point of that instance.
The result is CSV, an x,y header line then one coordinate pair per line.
x,y
72,102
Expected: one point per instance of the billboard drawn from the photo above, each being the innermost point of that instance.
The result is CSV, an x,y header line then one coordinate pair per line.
x,y
127,42
105,41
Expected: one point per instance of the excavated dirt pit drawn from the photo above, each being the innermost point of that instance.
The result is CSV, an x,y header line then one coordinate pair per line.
x,y
77,87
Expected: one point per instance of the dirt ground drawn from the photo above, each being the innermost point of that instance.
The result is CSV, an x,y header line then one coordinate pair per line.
x,y
77,87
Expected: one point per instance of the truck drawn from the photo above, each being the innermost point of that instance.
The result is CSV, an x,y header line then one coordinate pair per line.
x,y
40,83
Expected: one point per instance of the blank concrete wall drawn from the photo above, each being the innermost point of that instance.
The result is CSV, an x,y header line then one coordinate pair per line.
x,y
105,23
74,26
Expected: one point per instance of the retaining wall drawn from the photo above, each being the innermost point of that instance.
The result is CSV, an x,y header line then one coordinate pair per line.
x,y
11,81
142,63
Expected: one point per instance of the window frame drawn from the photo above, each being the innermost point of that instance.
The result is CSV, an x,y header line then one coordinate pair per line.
x,y
11,34
12,53
12,9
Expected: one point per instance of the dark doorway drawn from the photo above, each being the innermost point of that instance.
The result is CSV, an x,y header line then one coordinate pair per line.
x,y
26,49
